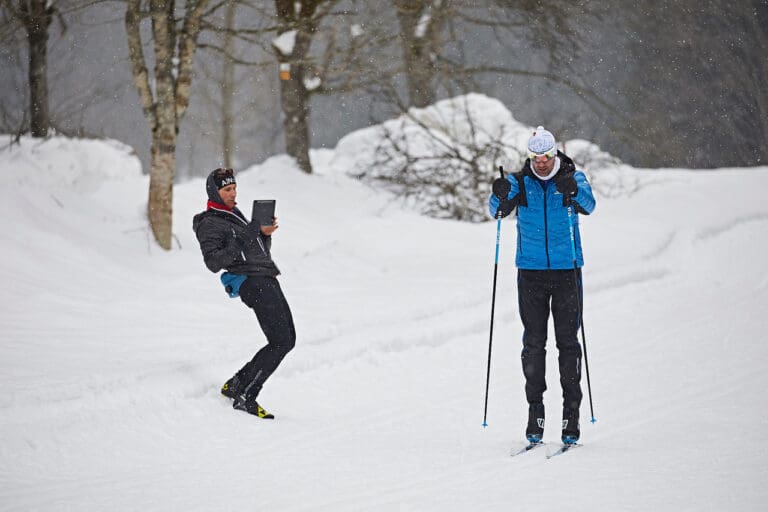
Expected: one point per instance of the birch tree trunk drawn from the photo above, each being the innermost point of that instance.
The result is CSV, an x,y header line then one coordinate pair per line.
x,y
164,105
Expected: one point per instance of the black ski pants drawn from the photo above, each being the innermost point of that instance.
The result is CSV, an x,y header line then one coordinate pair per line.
x,y
538,292
264,296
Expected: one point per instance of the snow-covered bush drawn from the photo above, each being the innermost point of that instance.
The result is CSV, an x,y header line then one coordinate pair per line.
x,y
440,159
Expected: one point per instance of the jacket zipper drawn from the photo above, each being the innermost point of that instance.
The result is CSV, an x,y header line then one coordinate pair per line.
x,y
546,229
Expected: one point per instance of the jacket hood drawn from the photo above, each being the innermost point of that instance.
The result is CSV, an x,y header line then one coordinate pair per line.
x,y
196,221
213,191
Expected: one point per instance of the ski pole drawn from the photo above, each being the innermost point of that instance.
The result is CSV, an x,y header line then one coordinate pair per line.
x,y
578,303
493,305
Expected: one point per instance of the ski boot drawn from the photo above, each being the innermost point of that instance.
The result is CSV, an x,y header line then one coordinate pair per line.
x,y
251,406
535,429
571,432
229,389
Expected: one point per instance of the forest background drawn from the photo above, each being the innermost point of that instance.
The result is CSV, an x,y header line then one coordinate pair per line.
x,y
195,84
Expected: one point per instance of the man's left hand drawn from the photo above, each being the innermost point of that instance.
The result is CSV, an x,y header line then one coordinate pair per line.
x,y
566,184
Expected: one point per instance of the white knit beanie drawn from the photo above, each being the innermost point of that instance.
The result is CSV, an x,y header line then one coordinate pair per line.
x,y
541,141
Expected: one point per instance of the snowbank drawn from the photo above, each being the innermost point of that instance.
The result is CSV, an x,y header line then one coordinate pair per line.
x,y
61,163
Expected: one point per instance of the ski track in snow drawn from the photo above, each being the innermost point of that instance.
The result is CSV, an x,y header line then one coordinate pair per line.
x,y
732,224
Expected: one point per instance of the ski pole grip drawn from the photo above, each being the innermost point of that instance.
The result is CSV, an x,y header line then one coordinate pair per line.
x,y
501,171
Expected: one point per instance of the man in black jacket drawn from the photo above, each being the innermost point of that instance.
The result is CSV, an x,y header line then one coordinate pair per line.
x,y
229,242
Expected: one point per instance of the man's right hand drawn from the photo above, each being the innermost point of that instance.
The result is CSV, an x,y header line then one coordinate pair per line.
x,y
500,208
501,188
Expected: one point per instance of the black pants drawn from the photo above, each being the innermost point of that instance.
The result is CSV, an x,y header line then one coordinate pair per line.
x,y
538,292
264,296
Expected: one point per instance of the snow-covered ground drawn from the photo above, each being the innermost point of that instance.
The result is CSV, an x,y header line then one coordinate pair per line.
x,y
112,351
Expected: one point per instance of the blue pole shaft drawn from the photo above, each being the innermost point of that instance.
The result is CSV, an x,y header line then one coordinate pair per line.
x,y
578,302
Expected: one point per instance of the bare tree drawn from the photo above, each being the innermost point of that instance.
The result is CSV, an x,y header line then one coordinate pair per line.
x,y
43,79
421,31
164,97
36,17
433,34
297,22
440,159
228,88
696,83
13,116
315,47
231,100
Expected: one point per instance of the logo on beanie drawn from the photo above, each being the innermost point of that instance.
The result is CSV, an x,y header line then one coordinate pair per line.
x,y
223,177
225,181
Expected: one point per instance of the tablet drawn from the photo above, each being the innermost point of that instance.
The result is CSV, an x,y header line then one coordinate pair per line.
x,y
263,212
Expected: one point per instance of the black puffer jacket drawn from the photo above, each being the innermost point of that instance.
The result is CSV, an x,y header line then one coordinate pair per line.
x,y
226,244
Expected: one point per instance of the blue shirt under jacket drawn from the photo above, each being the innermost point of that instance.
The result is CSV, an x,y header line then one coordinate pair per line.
x,y
543,227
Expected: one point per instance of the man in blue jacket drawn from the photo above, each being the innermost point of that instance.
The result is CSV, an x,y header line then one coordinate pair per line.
x,y
549,193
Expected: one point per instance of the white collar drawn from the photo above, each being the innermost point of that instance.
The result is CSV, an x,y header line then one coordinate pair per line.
x,y
551,174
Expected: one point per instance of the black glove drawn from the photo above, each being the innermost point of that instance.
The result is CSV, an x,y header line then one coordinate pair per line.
x,y
501,188
505,208
566,185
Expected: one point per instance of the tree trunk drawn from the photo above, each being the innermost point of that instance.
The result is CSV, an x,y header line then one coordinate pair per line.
x,y
160,205
294,97
165,108
293,100
37,18
421,24
228,89
163,157
419,70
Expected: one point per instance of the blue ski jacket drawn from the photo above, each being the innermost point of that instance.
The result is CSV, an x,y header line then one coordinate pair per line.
x,y
543,226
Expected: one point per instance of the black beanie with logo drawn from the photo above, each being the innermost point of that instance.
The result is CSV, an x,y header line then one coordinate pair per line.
x,y
219,178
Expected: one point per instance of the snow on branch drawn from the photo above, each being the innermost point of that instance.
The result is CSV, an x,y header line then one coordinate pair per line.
x,y
285,42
